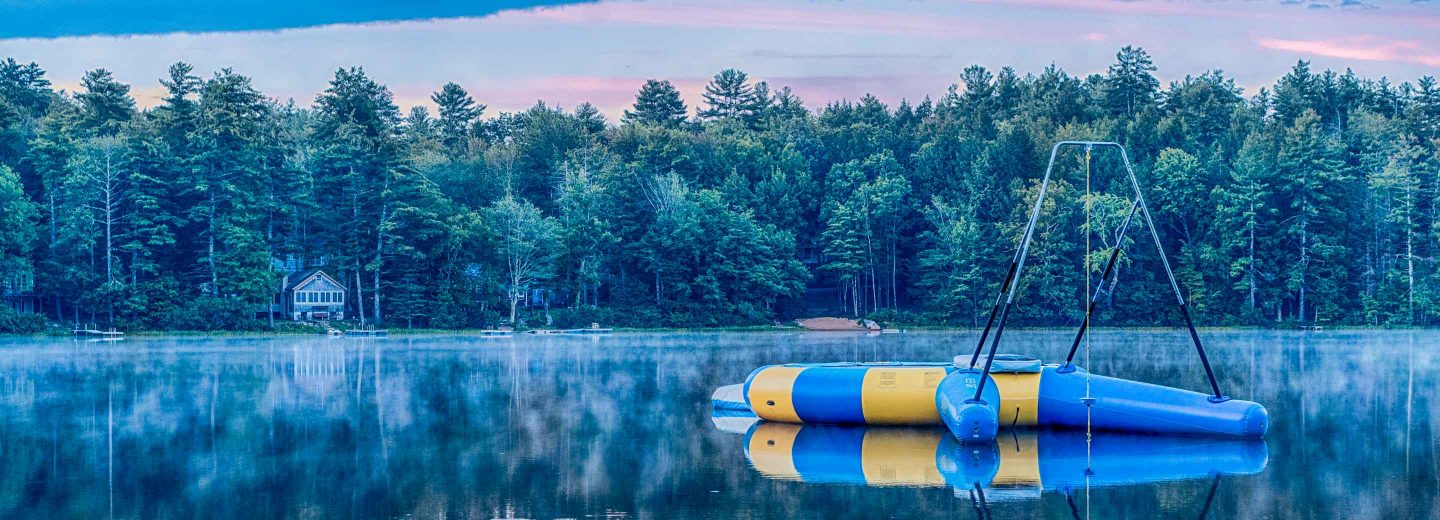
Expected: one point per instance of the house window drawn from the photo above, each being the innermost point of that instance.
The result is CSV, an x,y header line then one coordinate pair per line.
x,y
339,297
325,297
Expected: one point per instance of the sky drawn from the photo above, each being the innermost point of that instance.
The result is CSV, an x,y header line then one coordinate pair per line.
x,y
509,54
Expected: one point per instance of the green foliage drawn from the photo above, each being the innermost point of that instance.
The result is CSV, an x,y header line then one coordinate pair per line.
x,y
15,323
17,234
210,313
1312,201
657,103
731,96
1129,86
458,115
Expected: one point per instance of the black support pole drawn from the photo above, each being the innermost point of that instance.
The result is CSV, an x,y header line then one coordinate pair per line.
x,y
1004,286
1100,289
1174,284
1204,360
990,357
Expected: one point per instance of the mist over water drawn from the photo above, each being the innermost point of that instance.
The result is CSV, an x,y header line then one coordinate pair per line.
x,y
544,427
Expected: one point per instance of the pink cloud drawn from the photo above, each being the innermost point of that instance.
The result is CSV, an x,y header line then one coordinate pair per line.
x,y
1365,48
807,17
1123,7
613,94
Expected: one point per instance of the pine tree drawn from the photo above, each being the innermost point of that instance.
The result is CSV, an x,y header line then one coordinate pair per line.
x,y
1295,93
590,118
360,157
148,240
1245,219
24,97
843,243
657,103
458,115
230,181
1312,178
587,231
106,104
25,87
950,265
17,234
730,96
1129,84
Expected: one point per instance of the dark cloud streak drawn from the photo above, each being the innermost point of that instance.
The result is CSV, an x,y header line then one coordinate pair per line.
x,y
60,18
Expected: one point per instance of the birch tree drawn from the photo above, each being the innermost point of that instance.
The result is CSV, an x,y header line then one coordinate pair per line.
x,y
526,243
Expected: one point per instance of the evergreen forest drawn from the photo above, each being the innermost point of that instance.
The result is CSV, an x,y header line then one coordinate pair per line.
x,y
1315,200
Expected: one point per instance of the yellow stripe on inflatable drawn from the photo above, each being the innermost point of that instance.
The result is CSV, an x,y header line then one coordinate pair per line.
x,y
901,457
770,394
1019,460
1019,398
770,449
901,395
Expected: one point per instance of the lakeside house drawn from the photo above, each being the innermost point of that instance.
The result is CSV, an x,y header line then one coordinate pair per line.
x,y
20,302
310,295
19,296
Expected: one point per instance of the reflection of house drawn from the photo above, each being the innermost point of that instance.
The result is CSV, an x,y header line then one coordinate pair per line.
x,y
312,295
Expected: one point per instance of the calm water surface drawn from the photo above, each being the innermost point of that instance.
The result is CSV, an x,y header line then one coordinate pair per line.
x,y
620,426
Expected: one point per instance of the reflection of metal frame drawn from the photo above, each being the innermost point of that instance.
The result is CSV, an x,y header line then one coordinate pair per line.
x,y
1017,266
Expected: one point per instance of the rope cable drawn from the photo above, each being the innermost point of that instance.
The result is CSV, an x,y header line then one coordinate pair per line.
x,y
1089,200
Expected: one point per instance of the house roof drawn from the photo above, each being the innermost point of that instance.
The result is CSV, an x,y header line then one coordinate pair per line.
x,y
299,278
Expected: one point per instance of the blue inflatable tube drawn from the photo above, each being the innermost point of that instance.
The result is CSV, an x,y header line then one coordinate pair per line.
x,y
969,420
1132,406
1019,392
847,393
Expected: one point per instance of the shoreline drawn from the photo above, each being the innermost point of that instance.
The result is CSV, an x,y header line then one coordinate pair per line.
x,y
57,333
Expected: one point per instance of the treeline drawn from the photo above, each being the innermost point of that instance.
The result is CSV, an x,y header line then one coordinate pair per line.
x,y
1314,200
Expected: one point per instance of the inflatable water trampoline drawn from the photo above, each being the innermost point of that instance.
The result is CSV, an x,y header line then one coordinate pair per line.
x,y
974,399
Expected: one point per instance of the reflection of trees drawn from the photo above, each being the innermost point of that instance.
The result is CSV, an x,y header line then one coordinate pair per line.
x,y
561,426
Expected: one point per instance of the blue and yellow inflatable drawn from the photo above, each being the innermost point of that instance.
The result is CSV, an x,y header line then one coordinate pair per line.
x,y
1019,392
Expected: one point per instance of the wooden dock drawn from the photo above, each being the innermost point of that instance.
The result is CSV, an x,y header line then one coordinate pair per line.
x,y
367,333
593,330
109,335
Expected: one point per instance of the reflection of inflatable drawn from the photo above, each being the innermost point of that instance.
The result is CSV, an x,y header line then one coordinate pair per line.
x,y
1019,463
1029,395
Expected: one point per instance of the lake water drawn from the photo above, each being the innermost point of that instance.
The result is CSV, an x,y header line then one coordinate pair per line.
x,y
620,426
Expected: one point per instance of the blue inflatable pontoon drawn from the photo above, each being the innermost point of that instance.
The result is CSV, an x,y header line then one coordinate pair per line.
x,y
929,394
